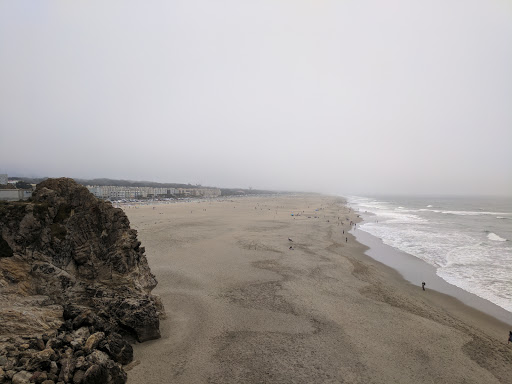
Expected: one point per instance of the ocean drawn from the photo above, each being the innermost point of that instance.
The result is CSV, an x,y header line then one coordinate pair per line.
x,y
466,239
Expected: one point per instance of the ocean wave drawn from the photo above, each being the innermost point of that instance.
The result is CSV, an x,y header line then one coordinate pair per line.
x,y
464,255
417,240
474,213
396,218
466,213
486,282
494,237
460,259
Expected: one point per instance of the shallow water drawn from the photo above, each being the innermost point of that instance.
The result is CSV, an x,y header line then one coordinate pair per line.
x,y
466,240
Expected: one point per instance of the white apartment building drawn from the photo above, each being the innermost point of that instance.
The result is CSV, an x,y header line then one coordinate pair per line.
x,y
15,194
129,193
120,193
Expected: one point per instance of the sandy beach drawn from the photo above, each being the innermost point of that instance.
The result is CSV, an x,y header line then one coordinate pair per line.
x,y
242,307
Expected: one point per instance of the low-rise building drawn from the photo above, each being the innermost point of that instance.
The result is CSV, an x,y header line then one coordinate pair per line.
x,y
120,193
15,194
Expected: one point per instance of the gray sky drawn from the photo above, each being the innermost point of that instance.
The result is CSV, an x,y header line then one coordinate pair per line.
x,y
332,96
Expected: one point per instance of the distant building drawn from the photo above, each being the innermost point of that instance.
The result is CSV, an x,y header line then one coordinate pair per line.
x,y
120,193
4,179
15,194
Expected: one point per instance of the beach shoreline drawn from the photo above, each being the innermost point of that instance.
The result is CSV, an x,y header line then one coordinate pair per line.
x,y
415,271
244,307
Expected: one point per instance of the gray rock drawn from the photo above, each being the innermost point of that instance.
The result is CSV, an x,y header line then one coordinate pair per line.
x,y
81,363
38,377
78,377
54,343
81,333
54,369
77,277
95,374
74,248
98,357
117,348
93,341
22,377
116,375
67,368
41,360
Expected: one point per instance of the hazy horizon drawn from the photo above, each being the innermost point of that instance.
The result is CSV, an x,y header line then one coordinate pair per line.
x,y
351,98
371,195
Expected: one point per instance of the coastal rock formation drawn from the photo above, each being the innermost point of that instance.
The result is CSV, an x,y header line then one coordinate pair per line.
x,y
74,280
78,352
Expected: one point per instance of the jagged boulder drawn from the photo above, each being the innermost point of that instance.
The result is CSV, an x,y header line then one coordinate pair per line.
x,y
74,283
67,245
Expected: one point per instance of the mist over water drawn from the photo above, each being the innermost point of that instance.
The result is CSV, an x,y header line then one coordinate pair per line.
x,y
467,240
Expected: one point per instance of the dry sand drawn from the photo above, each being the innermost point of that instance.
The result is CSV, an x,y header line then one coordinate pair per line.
x,y
244,308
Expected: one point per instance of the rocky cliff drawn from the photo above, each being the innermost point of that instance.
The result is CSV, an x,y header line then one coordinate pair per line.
x,y
65,249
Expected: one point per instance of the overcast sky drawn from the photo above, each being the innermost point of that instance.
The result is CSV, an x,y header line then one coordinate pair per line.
x,y
351,97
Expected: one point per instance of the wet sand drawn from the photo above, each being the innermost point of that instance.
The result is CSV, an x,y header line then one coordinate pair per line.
x,y
415,271
244,308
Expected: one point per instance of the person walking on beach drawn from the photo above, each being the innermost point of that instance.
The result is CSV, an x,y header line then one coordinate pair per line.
x,y
423,285
346,239
509,337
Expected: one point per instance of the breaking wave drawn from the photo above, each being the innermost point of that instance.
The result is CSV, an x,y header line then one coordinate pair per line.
x,y
494,237
466,213
450,239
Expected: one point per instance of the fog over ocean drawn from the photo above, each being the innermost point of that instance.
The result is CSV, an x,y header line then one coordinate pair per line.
x,y
467,239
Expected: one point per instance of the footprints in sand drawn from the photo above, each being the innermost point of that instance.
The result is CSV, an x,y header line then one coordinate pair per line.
x,y
278,357
260,296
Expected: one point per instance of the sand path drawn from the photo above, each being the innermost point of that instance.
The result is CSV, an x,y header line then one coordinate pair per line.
x,y
244,308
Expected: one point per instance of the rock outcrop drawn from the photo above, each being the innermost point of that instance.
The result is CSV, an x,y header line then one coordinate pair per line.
x,y
74,283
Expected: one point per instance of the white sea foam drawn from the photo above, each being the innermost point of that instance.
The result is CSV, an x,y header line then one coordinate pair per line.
x,y
484,282
473,273
473,213
465,213
478,262
494,237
